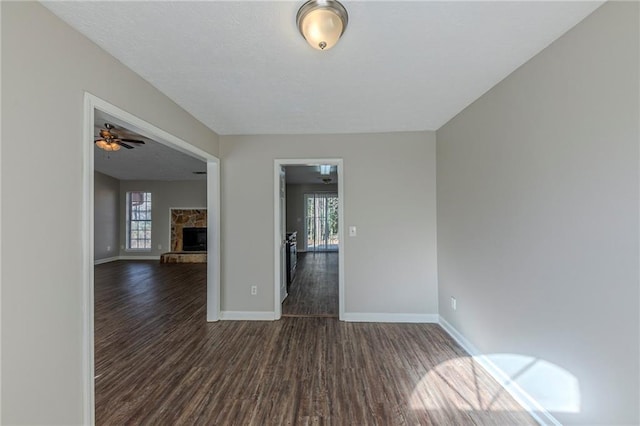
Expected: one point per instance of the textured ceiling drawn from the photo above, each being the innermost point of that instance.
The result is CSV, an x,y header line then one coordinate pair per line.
x,y
151,161
242,67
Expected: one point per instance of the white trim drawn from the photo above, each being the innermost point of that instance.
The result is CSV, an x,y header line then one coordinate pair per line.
x,y
390,317
277,163
247,316
116,258
0,233
213,240
341,226
106,260
92,103
537,411
88,359
277,237
154,257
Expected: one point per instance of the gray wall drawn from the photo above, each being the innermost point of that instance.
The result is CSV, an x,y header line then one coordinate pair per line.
x,y
389,193
46,67
538,218
295,206
164,196
106,217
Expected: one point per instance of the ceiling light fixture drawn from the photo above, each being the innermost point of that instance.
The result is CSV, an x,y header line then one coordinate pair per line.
x,y
107,145
110,141
322,22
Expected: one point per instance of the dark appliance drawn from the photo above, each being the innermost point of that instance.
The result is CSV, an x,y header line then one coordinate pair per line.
x,y
194,239
292,257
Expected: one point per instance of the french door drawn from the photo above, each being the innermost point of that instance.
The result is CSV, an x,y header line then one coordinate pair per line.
x,y
321,221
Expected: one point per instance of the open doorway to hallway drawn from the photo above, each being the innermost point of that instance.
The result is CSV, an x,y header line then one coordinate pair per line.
x,y
309,233
313,243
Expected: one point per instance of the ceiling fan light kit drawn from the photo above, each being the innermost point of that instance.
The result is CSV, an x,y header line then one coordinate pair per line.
x,y
322,22
110,141
107,146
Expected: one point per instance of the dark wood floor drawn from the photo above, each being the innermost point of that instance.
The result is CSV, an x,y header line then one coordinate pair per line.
x,y
314,292
159,362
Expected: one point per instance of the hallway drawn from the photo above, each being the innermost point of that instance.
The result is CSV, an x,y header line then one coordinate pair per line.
x,y
314,291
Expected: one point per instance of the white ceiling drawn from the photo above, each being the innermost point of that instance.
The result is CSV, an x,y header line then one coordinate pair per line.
x,y
241,67
151,161
308,175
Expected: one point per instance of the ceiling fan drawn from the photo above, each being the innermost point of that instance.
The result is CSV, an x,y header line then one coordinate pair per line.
x,y
110,141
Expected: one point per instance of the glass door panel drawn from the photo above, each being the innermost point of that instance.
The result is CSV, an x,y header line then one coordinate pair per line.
x,y
321,222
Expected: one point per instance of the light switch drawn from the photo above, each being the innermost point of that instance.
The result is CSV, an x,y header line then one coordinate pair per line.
x,y
352,231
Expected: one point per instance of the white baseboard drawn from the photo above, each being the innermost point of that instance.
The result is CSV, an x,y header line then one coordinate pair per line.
x,y
539,413
388,317
105,260
115,258
139,258
247,316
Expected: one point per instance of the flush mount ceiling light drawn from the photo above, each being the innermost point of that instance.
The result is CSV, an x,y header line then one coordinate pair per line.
x,y
322,22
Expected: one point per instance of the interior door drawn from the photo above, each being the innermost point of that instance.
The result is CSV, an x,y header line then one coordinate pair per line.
x,y
283,236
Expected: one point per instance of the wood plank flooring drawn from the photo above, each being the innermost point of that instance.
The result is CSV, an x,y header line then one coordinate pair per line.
x,y
314,291
159,362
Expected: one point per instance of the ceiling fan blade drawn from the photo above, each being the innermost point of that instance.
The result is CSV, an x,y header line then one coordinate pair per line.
x,y
124,145
132,140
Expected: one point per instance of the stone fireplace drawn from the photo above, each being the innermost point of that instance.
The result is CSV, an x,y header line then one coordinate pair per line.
x,y
185,218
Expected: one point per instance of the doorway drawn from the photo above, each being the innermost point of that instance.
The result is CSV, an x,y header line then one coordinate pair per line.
x,y
311,213
93,104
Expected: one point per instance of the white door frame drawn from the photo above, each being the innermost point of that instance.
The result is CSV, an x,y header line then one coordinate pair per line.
x,y
92,103
278,163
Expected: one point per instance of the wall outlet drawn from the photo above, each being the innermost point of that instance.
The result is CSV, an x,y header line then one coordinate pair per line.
x,y
454,304
254,290
159,246
353,232
108,248
122,247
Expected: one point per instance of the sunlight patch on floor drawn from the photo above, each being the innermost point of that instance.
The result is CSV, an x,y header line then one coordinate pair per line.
x,y
471,389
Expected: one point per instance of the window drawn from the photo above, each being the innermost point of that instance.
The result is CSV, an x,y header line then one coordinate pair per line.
x,y
321,222
139,220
